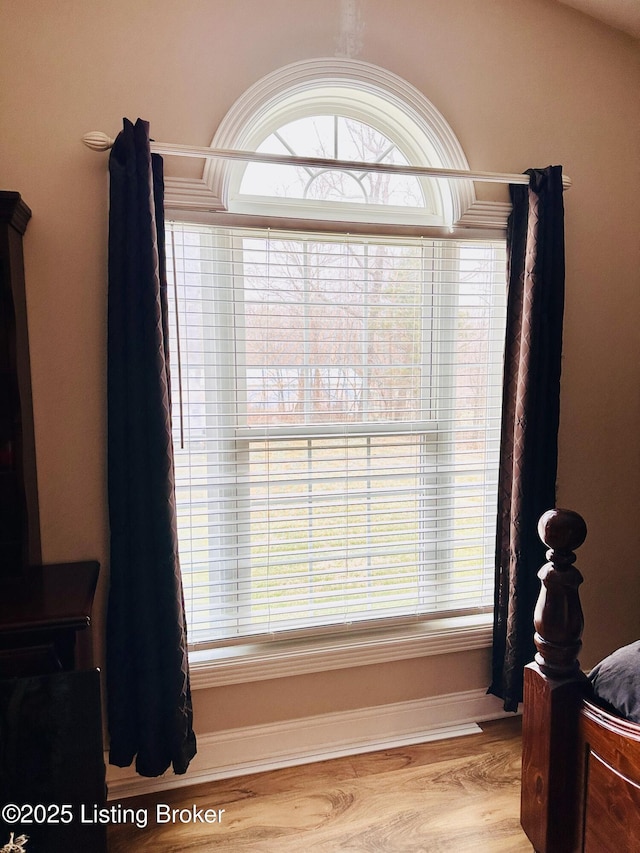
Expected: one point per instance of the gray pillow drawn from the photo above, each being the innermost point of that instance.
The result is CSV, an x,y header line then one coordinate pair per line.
x,y
616,681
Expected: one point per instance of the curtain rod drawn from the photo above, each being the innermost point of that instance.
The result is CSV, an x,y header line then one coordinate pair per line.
x,y
98,141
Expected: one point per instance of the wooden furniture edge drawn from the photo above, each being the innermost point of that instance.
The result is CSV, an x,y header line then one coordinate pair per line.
x,y
554,688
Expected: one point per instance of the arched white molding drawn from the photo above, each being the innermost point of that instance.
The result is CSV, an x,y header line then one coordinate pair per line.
x,y
370,93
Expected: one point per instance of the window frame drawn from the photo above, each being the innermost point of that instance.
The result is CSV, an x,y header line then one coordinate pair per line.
x,y
212,201
228,375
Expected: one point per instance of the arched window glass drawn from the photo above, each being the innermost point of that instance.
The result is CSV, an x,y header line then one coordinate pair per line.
x,y
340,138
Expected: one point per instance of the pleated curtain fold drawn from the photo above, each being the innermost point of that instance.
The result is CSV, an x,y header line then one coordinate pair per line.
x,y
530,418
148,690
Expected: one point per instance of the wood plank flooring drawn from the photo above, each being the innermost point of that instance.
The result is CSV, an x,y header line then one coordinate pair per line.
x,y
460,795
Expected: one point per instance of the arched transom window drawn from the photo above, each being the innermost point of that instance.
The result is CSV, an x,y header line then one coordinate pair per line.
x,y
343,110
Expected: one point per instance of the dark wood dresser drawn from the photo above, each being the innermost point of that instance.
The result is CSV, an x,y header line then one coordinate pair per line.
x,y
52,773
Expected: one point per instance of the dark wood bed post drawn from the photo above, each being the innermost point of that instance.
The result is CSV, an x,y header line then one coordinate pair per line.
x,y
553,690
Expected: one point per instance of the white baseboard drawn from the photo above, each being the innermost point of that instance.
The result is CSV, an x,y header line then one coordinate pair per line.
x,y
237,752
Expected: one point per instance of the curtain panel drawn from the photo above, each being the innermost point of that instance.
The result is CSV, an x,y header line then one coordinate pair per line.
x,y
530,419
148,690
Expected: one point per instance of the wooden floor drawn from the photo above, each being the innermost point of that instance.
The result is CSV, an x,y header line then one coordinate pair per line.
x,y
459,795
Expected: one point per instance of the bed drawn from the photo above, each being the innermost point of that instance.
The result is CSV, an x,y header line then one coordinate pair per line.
x,y
581,736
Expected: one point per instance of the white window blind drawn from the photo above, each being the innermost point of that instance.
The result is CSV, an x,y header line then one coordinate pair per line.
x,y
336,415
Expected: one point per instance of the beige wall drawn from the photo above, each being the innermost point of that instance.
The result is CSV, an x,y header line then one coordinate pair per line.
x,y
522,82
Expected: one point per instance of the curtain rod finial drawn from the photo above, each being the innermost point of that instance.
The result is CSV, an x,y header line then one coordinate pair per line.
x,y
97,141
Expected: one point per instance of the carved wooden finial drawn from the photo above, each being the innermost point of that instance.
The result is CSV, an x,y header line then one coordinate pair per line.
x,y
558,616
562,531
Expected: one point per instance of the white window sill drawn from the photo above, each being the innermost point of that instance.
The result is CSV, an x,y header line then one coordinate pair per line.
x,y
284,658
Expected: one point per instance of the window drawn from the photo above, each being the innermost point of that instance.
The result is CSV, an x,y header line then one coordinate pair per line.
x,y
325,192
336,395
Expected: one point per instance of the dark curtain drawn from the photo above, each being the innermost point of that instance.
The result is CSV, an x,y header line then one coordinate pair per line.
x,y
148,691
530,416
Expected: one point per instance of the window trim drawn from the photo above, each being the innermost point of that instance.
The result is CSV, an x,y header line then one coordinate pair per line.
x,y
489,222
303,87
284,658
